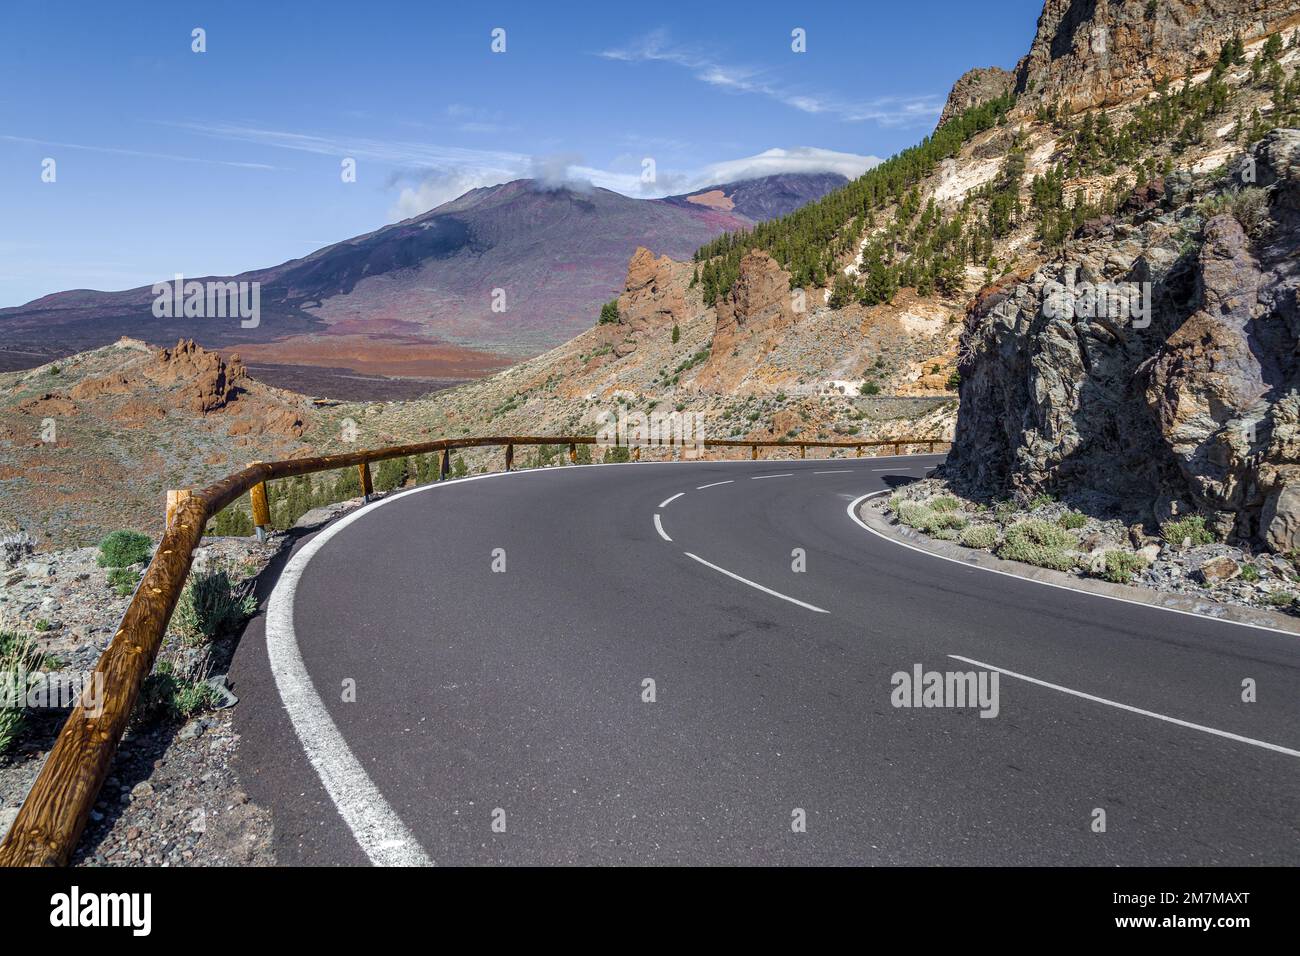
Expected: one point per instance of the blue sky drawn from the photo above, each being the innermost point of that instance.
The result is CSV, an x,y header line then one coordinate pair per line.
x,y
172,161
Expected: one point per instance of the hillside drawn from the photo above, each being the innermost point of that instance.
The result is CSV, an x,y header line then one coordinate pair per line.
x,y
500,273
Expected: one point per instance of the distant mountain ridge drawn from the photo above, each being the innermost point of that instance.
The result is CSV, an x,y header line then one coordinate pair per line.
x,y
499,273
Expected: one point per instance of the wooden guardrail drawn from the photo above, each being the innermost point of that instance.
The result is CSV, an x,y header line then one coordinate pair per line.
x,y
56,808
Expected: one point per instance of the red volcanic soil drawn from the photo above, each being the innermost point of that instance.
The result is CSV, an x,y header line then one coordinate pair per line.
x,y
370,355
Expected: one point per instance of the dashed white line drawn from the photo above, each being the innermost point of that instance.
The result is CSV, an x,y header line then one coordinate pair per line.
x,y
1133,710
667,502
754,584
842,471
660,528
761,477
715,484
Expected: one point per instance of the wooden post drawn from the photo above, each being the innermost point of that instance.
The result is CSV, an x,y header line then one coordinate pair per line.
x,y
859,454
174,500
261,508
753,452
510,457
444,466
929,446
896,447
367,489
636,453
803,449
573,453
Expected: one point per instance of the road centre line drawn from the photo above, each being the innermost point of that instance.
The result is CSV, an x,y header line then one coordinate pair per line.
x,y
666,503
788,474
715,484
660,528
754,584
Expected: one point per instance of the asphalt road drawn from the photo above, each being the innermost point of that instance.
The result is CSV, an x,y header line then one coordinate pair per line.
x,y
408,702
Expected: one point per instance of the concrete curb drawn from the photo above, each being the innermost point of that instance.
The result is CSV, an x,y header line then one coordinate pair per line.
x,y
871,514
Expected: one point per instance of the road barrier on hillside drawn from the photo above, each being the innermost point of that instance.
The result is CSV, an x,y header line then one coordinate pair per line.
x,y
52,817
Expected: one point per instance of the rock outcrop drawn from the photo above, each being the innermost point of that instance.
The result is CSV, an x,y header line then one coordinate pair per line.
x,y
1090,53
1194,405
975,87
752,318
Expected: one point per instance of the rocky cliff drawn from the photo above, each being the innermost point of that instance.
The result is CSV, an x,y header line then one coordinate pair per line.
x,y
1089,53
1190,405
975,87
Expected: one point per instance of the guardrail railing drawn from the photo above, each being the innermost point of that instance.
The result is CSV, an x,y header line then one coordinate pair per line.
x,y
51,819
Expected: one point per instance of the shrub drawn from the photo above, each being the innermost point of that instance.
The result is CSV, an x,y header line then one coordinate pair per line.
x,y
121,549
979,536
1122,565
1039,543
210,606
926,519
869,388
1280,598
123,580
1249,206
168,693
944,503
1071,520
1249,573
618,454
1183,529
17,654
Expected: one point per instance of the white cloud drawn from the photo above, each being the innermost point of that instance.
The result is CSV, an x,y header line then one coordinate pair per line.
x,y
888,111
799,159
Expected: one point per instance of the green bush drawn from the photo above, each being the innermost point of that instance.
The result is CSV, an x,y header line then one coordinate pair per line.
x,y
1280,598
927,520
618,454
167,693
1122,565
1249,206
944,503
869,388
1249,573
209,607
1038,543
979,536
1183,529
1072,519
121,549
18,653
123,580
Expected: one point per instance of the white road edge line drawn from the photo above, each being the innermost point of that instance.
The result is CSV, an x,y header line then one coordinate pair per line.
x,y
788,474
1131,709
660,528
378,830
729,481
665,504
853,513
752,584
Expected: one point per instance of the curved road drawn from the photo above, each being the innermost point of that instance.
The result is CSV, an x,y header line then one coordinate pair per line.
x,y
409,698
